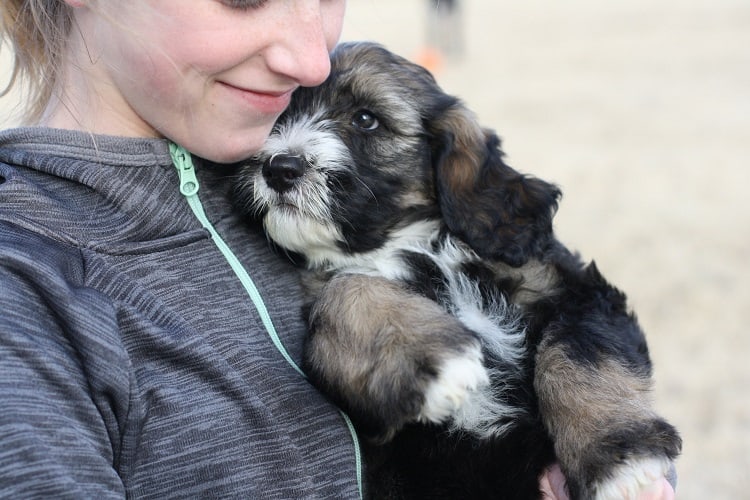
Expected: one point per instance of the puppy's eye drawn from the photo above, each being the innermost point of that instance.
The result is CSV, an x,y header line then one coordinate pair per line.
x,y
365,120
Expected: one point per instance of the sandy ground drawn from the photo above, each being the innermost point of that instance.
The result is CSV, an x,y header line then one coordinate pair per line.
x,y
640,111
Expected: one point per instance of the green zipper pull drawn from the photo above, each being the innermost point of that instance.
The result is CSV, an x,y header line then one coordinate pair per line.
x,y
184,164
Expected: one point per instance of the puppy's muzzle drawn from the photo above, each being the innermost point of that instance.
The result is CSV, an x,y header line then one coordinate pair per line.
x,y
282,171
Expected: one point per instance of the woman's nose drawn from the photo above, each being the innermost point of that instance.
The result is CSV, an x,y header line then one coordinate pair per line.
x,y
302,51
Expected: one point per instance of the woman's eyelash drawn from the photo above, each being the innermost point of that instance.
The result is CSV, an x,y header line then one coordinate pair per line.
x,y
244,4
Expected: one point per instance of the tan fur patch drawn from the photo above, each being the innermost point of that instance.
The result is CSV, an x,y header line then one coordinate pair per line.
x,y
538,280
462,165
581,405
373,337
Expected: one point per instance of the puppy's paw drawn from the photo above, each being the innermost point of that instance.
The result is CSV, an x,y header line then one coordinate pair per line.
x,y
632,478
458,378
624,463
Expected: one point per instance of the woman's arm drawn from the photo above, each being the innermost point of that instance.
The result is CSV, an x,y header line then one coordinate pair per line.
x,y
59,429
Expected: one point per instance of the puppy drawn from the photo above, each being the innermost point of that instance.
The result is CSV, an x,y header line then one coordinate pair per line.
x,y
469,346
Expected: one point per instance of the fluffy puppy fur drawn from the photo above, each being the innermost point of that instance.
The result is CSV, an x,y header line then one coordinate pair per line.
x,y
468,345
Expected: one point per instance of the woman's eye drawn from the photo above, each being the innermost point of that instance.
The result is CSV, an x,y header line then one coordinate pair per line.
x,y
365,120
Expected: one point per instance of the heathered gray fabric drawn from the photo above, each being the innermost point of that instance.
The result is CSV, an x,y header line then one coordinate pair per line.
x,y
132,362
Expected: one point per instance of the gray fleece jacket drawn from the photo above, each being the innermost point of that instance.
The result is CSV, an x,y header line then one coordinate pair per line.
x,y
132,361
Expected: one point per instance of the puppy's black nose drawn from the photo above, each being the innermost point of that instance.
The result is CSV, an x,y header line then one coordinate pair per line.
x,y
282,171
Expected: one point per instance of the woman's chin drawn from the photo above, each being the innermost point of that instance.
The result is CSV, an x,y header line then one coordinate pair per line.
x,y
231,147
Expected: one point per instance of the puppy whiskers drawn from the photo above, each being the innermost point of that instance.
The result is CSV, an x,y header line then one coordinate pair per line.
x,y
375,198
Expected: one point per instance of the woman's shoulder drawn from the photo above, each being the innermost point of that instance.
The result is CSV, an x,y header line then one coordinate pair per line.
x,y
82,146
108,192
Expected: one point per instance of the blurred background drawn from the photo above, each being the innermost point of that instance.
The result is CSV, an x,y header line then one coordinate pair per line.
x,y
640,111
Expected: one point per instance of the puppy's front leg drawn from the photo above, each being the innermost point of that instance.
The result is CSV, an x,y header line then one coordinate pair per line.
x,y
388,356
608,439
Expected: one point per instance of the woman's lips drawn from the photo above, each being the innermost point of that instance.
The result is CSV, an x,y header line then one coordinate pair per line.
x,y
267,102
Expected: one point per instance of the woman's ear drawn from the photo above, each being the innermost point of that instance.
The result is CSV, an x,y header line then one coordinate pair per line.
x,y
500,213
76,3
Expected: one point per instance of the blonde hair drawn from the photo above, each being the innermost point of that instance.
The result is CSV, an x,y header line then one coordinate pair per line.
x,y
37,32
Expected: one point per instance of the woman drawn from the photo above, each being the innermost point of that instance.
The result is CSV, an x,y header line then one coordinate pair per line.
x,y
149,339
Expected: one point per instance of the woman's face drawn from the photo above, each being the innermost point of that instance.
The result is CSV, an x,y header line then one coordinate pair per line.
x,y
210,75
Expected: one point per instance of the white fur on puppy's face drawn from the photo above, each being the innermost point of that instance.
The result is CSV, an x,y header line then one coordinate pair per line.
x,y
365,154
300,219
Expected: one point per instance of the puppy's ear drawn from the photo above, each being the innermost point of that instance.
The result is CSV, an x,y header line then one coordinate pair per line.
x,y
500,213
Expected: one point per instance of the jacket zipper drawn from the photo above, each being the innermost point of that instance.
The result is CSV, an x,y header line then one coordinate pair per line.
x,y
189,187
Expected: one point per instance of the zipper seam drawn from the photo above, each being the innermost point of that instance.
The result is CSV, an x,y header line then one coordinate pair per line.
x,y
189,187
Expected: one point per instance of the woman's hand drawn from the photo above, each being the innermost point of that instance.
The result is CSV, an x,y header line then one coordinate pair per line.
x,y
552,485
